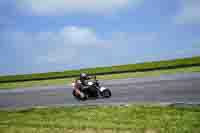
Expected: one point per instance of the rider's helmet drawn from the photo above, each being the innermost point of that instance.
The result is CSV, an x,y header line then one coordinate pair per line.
x,y
83,76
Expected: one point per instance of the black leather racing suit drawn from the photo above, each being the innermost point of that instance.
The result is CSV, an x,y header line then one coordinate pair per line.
x,y
84,83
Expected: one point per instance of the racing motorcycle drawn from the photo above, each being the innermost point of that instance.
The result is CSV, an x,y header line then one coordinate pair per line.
x,y
92,90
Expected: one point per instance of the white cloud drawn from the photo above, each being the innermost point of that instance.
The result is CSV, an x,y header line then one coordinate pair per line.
x,y
56,47
60,7
189,12
79,36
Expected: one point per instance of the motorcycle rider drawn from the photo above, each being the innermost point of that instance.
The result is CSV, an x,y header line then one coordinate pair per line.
x,y
83,83
83,78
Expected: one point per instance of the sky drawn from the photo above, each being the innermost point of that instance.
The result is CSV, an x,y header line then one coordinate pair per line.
x,y
57,35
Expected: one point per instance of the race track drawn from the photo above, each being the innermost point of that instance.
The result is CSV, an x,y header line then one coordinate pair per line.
x,y
164,89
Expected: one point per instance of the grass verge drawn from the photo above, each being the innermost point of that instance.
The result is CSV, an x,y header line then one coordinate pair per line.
x,y
108,119
104,77
140,67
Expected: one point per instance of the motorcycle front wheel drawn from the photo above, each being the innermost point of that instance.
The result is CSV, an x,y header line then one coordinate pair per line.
x,y
106,93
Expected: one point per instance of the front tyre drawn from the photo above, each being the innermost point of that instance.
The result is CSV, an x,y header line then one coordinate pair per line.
x,y
106,93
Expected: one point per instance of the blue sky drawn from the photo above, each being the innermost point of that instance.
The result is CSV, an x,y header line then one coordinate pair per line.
x,y
49,35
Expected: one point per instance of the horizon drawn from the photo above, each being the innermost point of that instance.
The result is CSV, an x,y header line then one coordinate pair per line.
x,y
98,67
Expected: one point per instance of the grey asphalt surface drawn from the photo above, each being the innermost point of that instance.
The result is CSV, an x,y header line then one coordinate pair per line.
x,y
179,88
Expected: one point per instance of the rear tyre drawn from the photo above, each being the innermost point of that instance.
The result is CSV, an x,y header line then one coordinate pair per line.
x,y
106,93
74,93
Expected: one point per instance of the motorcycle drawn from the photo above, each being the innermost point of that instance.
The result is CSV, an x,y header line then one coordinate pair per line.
x,y
92,90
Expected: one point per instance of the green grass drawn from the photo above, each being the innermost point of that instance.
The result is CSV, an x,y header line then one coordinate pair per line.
x,y
28,84
67,81
100,70
151,73
137,119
